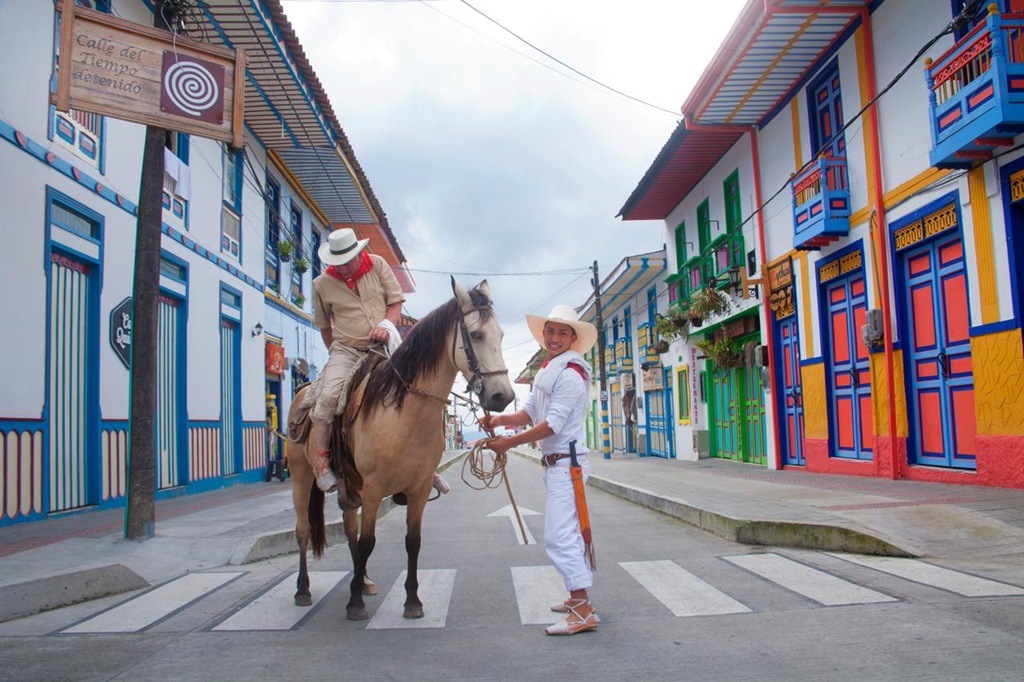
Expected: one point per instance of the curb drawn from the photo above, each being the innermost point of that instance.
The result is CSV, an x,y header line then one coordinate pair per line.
x,y
63,589
794,534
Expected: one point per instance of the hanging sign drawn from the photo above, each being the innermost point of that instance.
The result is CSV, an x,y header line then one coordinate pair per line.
x,y
117,68
780,288
121,331
275,359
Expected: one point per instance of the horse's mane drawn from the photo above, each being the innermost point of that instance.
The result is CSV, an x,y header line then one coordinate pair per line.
x,y
419,355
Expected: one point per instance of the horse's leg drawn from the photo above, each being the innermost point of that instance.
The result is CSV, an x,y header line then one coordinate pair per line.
x,y
413,526
356,609
301,481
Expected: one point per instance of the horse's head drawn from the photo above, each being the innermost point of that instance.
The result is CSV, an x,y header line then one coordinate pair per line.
x,y
478,347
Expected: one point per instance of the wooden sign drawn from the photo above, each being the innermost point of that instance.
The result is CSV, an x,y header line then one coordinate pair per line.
x,y
117,68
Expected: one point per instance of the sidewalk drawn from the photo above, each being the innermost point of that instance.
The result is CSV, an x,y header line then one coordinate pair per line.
x,y
73,558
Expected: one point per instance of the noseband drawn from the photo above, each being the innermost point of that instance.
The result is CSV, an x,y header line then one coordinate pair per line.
x,y
476,379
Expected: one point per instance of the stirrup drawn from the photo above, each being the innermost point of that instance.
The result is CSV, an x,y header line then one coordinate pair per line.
x,y
567,627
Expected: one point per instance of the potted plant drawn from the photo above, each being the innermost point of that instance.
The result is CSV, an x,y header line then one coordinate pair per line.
x,y
300,265
707,302
672,325
299,300
661,346
722,351
284,250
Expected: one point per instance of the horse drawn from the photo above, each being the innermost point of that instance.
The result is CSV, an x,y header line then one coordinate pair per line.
x,y
392,438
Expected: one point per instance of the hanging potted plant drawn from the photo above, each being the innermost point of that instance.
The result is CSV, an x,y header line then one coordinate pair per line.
x,y
300,265
706,303
671,325
722,351
661,346
284,250
299,300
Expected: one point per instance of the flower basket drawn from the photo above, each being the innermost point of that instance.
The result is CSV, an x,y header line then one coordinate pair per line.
x,y
284,251
299,300
708,302
300,265
661,346
671,325
723,352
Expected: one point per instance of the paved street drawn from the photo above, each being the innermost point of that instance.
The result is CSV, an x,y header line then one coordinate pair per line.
x,y
676,603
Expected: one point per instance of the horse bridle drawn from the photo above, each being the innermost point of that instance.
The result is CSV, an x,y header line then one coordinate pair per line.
x,y
476,379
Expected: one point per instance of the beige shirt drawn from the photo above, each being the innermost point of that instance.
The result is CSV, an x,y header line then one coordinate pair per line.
x,y
353,315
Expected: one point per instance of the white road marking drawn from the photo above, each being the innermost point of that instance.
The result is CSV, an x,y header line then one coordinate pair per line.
x,y
508,511
435,591
935,576
683,593
276,609
812,583
148,608
537,588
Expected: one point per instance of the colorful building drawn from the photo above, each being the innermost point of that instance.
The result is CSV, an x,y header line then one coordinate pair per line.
x,y
849,174
234,319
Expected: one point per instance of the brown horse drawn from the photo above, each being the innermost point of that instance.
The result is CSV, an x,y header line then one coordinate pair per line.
x,y
395,436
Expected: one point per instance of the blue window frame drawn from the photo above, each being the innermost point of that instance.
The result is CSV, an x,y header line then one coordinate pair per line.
x,y
295,224
825,108
318,266
231,218
272,267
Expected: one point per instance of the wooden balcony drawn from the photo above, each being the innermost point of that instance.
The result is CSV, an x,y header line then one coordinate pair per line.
x,y
821,204
976,93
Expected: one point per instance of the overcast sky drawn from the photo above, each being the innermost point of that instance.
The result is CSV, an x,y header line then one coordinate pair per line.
x,y
485,156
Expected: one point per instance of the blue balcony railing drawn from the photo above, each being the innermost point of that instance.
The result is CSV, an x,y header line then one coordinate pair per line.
x,y
821,203
976,92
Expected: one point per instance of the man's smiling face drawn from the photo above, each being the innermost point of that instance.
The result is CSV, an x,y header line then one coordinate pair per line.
x,y
558,338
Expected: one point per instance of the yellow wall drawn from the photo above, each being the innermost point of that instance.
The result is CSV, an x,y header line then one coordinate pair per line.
x,y
880,396
815,405
999,383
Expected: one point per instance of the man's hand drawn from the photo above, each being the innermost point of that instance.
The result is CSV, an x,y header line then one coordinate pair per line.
x,y
380,335
488,422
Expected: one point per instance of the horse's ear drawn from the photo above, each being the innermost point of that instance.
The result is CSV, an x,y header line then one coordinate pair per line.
x,y
484,288
461,295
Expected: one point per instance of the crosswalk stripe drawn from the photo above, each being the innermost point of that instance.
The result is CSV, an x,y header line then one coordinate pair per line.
x,y
812,583
275,609
435,591
148,608
935,576
537,588
683,593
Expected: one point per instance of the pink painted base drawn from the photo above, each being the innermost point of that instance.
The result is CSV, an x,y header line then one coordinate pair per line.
x,y
1000,463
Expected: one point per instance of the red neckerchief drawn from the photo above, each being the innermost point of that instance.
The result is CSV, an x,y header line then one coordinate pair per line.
x,y
570,365
365,265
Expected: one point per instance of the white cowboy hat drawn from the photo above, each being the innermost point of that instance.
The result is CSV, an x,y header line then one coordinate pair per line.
x,y
586,333
341,247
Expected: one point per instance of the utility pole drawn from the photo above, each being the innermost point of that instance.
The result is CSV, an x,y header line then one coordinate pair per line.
x,y
602,375
140,507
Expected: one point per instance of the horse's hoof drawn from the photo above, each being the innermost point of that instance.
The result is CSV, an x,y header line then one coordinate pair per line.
x,y
369,587
357,613
303,600
413,611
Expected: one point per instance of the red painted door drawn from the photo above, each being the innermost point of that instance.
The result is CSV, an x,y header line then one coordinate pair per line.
x,y
849,371
940,364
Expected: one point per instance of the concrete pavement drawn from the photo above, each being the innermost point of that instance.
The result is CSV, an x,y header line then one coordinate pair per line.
x,y
72,558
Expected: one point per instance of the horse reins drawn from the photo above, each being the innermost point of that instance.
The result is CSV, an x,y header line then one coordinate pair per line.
x,y
476,381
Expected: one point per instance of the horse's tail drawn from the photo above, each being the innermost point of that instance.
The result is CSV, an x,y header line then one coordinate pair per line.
x,y
317,529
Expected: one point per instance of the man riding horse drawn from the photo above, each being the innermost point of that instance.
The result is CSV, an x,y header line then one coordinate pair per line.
x,y
357,302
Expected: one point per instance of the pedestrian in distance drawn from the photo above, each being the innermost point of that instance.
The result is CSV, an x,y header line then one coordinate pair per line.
x,y
555,413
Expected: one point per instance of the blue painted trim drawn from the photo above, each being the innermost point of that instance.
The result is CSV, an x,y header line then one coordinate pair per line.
x,y
822,78
182,456
20,140
236,390
289,312
994,328
1013,216
820,360
91,396
856,245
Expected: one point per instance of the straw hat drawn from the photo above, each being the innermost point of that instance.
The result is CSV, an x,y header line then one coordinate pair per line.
x,y
341,247
586,333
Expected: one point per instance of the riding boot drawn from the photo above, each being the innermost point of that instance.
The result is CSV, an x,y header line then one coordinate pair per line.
x,y
320,463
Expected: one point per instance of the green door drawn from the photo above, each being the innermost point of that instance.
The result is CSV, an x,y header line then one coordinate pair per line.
x,y
725,407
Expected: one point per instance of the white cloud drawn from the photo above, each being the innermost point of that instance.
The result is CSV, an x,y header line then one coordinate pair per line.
x,y
487,162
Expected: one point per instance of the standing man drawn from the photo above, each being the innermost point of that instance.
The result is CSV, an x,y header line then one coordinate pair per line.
x,y
357,302
557,410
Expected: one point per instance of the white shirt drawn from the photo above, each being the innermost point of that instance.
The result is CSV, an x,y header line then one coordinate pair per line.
x,y
561,396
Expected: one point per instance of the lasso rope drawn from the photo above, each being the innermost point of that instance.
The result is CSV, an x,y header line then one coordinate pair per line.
x,y
490,474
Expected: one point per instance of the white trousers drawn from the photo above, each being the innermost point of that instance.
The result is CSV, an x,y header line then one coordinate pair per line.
x,y
562,537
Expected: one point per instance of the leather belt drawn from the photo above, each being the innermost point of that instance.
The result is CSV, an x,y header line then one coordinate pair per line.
x,y
549,460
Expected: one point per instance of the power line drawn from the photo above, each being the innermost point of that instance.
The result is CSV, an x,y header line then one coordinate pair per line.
x,y
571,68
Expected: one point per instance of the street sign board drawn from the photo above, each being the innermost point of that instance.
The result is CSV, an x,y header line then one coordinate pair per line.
x,y
121,331
136,73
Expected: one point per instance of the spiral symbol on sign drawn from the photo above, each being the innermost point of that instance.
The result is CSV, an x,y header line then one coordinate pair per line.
x,y
191,87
